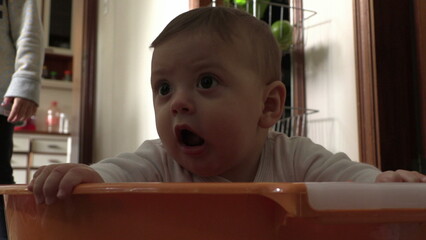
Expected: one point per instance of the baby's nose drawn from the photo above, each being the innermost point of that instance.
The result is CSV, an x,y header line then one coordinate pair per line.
x,y
182,103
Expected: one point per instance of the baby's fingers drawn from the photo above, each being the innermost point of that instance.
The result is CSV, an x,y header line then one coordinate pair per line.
x,y
75,176
58,181
46,180
53,181
389,176
411,176
37,183
401,176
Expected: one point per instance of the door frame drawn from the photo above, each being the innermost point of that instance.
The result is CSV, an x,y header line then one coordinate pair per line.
x,y
385,93
84,82
366,79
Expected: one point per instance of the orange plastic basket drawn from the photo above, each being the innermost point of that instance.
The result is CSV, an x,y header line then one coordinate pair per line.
x,y
222,211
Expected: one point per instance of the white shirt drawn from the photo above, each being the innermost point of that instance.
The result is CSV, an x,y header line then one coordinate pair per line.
x,y
284,159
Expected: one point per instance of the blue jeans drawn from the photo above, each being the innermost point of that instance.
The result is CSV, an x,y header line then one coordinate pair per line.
x,y
6,171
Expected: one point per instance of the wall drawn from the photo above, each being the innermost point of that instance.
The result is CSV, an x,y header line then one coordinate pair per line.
x,y
124,112
330,75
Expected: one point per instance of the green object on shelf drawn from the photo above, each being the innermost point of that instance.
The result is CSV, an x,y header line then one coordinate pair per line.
x,y
283,32
53,74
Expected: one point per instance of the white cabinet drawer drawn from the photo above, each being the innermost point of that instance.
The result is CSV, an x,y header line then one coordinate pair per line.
x,y
49,146
20,176
21,144
32,172
46,159
19,160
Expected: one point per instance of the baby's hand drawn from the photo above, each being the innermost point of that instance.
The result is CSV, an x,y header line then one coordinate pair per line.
x,y
57,181
401,176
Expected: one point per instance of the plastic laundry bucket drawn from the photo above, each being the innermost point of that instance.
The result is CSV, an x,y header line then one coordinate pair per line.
x,y
222,211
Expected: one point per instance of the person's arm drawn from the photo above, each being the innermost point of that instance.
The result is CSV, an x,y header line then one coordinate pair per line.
x,y
26,33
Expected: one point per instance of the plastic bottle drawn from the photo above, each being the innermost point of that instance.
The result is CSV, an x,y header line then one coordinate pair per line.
x,y
52,117
67,75
63,123
45,73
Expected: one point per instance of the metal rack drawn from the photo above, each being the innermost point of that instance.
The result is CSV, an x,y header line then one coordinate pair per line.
x,y
294,121
254,7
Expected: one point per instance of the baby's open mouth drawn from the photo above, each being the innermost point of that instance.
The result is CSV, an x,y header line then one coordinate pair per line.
x,y
190,139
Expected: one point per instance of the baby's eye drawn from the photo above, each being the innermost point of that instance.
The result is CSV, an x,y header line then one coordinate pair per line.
x,y
207,82
164,88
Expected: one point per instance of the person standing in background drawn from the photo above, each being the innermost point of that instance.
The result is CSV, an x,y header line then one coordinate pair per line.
x,y
21,58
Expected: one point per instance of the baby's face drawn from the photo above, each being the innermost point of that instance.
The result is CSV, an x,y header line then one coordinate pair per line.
x,y
207,105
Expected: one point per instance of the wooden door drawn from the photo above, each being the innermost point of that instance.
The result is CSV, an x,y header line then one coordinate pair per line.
x,y
391,82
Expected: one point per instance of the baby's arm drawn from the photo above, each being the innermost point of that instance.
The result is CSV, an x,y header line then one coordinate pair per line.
x,y
57,181
401,176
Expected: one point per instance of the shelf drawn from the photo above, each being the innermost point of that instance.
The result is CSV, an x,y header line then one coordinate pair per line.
x,y
59,51
39,132
57,84
19,168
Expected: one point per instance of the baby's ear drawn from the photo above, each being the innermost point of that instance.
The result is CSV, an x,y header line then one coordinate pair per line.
x,y
273,104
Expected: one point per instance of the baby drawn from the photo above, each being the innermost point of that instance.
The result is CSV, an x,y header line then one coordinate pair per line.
x,y
217,91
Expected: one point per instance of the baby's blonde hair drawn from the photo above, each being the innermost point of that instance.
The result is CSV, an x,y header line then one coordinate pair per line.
x,y
235,27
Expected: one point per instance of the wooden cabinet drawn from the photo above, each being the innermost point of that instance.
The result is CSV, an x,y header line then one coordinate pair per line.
x,y
81,59
33,150
56,16
57,22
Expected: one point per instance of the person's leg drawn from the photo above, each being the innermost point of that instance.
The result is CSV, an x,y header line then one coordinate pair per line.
x,y
6,171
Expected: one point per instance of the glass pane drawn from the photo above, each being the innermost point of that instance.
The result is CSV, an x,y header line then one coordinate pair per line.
x,y
60,24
